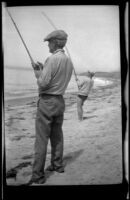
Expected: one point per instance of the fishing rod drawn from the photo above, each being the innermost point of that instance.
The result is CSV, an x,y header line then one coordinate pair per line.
x,y
65,46
32,61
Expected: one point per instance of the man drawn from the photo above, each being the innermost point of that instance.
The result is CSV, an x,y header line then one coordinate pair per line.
x,y
52,82
85,87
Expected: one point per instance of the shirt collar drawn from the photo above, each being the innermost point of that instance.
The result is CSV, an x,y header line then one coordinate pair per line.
x,y
61,50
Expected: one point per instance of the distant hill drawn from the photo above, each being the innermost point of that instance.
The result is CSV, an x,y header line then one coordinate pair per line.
x,y
18,67
104,74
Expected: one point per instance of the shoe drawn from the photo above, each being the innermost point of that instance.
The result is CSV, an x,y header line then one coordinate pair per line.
x,y
51,168
36,182
60,170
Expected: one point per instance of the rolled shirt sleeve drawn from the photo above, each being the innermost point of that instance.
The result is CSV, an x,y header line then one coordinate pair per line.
x,y
45,77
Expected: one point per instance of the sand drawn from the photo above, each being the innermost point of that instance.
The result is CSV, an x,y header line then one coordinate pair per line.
x,y
92,148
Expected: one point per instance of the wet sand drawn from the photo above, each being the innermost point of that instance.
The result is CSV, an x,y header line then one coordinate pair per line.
x,y
92,148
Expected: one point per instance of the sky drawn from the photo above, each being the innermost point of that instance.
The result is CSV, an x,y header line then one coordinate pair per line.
x,y
93,35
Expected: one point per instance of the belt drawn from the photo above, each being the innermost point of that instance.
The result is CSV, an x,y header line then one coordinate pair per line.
x,y
51,95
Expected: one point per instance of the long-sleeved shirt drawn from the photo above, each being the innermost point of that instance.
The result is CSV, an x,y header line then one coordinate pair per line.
x,y
85,86
56,74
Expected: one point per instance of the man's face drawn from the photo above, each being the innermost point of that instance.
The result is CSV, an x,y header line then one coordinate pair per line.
x,y
51,46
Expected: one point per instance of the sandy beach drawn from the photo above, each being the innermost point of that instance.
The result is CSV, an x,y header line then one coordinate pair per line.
x,y
92,148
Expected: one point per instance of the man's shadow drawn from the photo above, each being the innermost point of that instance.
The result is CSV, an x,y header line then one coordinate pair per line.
x,y
68,159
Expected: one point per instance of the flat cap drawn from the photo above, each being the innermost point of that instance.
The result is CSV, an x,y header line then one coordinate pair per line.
x,y
57,34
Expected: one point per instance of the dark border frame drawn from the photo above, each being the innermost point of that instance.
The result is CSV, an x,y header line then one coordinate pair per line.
x,y
117,191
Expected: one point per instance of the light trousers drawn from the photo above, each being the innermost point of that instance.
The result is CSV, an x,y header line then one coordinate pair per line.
x,y
49,120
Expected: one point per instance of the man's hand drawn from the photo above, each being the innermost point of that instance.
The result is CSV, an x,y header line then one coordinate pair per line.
x,y
40,65
37,66
37,69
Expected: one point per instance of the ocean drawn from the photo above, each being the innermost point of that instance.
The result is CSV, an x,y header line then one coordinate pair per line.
x,y
21,82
